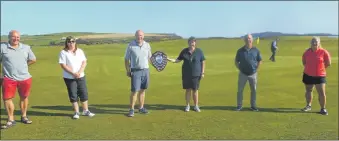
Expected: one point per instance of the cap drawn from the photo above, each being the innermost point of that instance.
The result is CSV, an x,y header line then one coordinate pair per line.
x,y
191,39
70,38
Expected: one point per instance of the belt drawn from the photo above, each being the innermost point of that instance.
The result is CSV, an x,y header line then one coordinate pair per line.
x,y
138,69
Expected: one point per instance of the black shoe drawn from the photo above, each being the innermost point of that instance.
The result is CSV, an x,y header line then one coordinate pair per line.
x,y
323,112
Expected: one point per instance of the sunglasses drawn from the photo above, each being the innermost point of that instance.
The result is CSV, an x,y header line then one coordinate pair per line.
x,y
71,42
314,41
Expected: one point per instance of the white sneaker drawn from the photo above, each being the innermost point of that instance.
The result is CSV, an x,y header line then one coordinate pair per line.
x,y
88,113
187,108
76,116
196,108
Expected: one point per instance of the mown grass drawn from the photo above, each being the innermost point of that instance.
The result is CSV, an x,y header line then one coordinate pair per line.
x,y
280,98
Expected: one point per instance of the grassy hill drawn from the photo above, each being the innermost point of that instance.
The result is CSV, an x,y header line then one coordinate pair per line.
x,y
89,37
280,34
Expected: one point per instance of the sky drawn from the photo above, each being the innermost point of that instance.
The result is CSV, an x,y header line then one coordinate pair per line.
x,y
185,18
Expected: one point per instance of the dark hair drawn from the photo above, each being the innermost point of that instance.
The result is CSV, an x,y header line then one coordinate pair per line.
x,y
69,38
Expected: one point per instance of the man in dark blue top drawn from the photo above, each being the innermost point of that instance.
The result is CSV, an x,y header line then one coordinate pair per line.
x,y
274,49
193,70
247,60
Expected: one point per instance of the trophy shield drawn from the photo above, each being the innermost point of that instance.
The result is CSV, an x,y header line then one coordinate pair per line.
x,y
159,60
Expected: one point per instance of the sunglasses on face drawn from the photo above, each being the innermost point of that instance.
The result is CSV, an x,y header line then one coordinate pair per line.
x,y
314,41
71,42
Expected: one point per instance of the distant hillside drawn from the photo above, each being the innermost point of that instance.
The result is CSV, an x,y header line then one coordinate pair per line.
x,y
280,34
90,38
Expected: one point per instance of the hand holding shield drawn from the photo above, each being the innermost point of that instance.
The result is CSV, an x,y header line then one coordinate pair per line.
x,y
159,60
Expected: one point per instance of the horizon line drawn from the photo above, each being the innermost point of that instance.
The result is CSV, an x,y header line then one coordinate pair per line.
x,y
171,33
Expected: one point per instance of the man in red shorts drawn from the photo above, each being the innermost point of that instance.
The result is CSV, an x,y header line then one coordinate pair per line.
x,y
15,58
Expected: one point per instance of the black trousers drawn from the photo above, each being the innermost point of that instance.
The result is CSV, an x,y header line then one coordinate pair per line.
x,y
273,56
77,89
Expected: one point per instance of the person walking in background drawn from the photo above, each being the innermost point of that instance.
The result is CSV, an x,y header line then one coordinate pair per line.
x,y
315,60
73,63
193,69
15,57
274,49
137,56
247,60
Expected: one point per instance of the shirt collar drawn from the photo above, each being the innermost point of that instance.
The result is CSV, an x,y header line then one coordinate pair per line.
x,y
245,48
136,43
315,50
19,46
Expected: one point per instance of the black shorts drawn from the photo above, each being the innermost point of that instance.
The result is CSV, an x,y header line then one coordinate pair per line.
x,y
192,82
77,89
309,80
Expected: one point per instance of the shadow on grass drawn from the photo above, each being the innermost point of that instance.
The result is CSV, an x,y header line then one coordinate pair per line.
x,y
91,108
273,110
284,110
31,113
181,107
147,106
123,109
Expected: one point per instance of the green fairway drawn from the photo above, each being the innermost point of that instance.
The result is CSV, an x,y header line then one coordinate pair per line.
x,y
280,97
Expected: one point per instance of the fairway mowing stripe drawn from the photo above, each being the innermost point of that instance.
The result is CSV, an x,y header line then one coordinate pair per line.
x,y
104,67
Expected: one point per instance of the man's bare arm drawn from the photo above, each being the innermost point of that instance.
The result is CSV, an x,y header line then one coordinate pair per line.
x,y
127,66
31,57
30,62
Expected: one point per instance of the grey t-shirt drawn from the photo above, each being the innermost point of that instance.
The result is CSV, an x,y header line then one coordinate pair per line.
x,y
138,55
15,61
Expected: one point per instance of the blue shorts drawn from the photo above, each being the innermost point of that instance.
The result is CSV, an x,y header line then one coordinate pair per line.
x,y
139,79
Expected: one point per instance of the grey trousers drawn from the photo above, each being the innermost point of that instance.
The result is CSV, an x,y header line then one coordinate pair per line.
x,y
242,80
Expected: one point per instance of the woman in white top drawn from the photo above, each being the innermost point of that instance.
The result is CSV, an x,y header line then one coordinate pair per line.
x,y
73,62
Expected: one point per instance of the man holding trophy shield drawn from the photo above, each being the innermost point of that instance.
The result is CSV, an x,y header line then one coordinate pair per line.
x,y
137,57
193,70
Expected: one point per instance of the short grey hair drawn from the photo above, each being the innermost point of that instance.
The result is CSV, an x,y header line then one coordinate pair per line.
x,y
247,35
316,38
11,32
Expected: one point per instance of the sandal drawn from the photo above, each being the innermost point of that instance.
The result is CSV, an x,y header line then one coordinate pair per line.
x,y
25,120
8,124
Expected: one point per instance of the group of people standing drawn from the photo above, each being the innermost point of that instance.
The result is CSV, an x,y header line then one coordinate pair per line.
x,y
16,58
